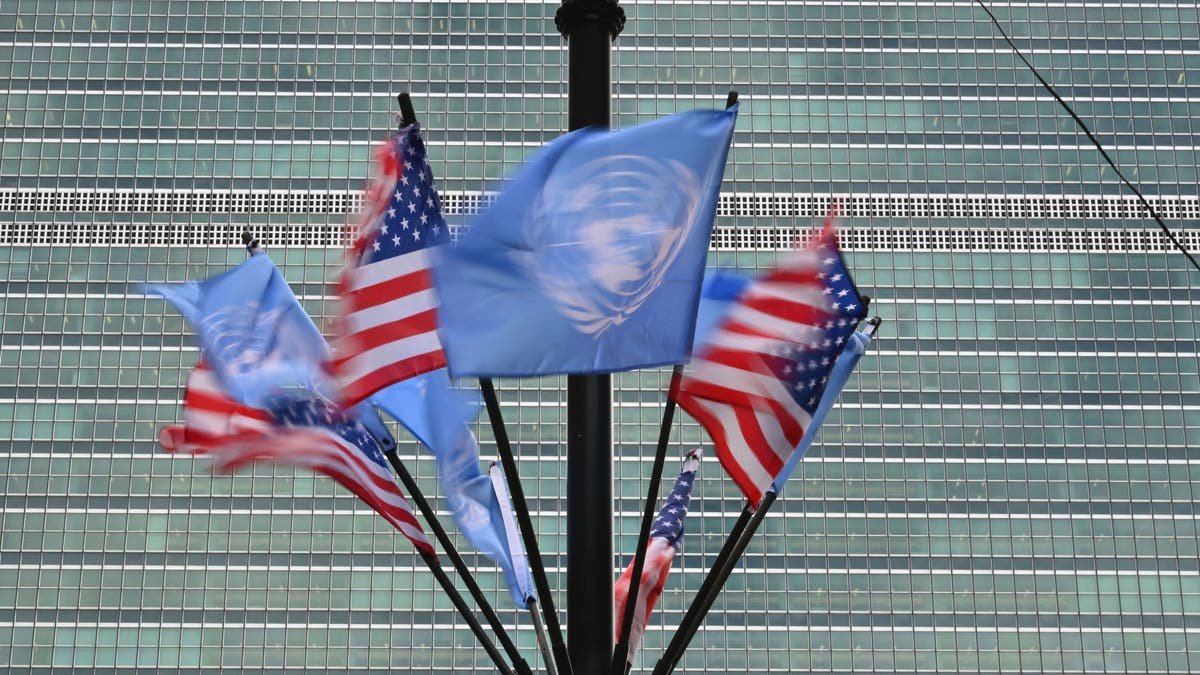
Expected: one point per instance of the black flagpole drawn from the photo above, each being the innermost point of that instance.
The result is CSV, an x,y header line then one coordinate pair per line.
x,y
590,27
730,553
456,559
431,561
525,524
739,539
621,652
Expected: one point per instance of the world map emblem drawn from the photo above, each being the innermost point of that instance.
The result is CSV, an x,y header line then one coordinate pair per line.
x,y
603,236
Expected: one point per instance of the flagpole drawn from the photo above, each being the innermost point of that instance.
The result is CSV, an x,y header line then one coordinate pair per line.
x,y
621,652
435,567
539,629
713,584
619,664
460,566
590,27
525,524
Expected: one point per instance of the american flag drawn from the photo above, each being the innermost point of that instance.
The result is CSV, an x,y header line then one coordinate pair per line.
x,y
666,536
292,430
756,381
388,327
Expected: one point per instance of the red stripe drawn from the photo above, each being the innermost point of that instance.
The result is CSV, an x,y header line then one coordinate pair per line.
x,y
376,336
217,403
390,289
703,389
389,374
787,310
794,272
293,447
722,437
755,363
756,443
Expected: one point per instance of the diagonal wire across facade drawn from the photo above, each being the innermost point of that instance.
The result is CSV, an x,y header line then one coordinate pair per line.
x,y
1005,486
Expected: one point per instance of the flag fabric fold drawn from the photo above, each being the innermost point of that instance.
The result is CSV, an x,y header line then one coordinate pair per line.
x,y
252,331
666,537
838,377
758,378
290,429
521,583
262,391
387,329
590,258
439,414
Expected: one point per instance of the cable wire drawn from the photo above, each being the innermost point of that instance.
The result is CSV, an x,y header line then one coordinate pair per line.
x,y
1092,137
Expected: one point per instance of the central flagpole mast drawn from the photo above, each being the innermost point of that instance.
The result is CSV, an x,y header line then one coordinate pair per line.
x,y
590,26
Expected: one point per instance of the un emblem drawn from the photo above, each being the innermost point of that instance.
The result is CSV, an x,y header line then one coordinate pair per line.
x,y
604,235
240,336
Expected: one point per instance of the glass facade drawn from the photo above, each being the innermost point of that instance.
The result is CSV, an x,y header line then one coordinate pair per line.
x,y
1005,486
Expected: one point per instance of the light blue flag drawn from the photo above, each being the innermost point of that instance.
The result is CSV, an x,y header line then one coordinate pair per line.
x,y
842,369
717,295
253,332
590,259
439,416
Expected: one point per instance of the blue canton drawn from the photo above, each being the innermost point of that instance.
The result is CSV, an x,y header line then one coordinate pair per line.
x,y
413,219
291,411
805,367
669,524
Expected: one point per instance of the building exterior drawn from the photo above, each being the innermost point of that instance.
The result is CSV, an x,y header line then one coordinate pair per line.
x,y
1006,485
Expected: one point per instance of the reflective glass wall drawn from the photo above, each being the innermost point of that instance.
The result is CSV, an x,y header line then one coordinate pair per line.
x,y
1005,487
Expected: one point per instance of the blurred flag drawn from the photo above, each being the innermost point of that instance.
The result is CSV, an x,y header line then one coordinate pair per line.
x,y
388,326
439,416
294,430
590,259
666,535
838,378
757,381
718,293
522,581
252,331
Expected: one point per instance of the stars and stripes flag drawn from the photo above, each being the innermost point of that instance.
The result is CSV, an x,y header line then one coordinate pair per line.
x,y
293,430
666,536
758,378
388,323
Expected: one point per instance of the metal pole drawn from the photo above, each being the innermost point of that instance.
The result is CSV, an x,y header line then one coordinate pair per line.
x,y
620,659
589,26
747,524
521,510
456,560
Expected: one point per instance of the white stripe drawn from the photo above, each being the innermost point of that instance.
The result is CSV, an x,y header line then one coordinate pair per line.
x,y
380,472
771,324
220,422
297,447
802,294
736,443
392,310
365,363
205,381
772,432
386,270
742,342
763,386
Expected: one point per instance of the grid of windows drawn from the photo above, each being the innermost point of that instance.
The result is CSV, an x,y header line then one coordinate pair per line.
x,y
1006,485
